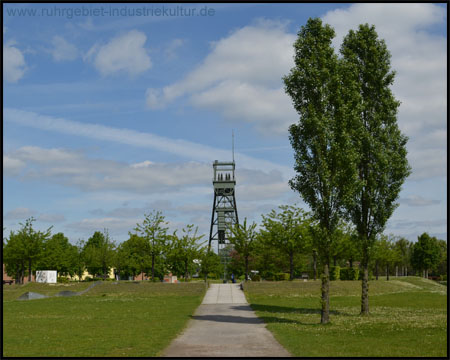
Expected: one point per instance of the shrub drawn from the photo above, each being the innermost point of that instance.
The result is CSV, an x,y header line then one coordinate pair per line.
x,y
334,272
256,277
63,279
349,274
242,278
282,276
443,277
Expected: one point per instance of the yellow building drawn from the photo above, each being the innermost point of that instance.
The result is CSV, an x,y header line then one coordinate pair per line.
x,y
87,275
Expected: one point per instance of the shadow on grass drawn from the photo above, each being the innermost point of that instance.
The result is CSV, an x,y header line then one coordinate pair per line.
x,y
285,309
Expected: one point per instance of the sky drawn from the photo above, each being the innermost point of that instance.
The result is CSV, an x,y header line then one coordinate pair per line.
x,y
111,111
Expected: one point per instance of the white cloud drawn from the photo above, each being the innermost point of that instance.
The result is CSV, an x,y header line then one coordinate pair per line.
x,y
12,166
74,169
417,200
19,213
241,78
51,218
124,53
183,148
14,65
116,225
171,49
63,50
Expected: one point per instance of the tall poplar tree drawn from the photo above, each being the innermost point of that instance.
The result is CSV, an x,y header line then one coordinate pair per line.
x,y
322,148
380,146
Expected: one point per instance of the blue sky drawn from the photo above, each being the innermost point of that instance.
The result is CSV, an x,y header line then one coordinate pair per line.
x,y
107,117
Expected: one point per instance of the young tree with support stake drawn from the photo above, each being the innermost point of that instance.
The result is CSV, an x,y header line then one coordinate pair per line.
x,y
153,231
243,240
378,143
323,153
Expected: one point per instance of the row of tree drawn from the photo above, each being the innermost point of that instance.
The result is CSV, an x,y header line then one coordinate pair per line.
x,y
285,244
149,249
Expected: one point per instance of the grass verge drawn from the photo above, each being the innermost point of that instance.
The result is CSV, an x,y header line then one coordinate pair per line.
x,y
408,317
125,319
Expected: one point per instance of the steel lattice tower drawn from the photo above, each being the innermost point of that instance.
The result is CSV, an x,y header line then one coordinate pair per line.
x,y
224,212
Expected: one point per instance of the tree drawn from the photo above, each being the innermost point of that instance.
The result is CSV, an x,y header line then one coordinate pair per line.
x,y
185,248
386,253
379,144
287,230
58,254
442,268
403,248
135,255
426,254
210,264
323,156
98,253
13,257
155,234
243,240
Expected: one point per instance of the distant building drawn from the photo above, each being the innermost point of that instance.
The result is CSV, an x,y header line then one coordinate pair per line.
x,y
8,278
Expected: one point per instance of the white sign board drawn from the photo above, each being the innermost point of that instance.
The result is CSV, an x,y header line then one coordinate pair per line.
x,y
46,276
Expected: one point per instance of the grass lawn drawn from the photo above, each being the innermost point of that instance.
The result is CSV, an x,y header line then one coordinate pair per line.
x,y
408,317
125,319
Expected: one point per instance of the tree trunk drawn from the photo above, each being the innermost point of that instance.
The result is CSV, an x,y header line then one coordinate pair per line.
x,y
291,265
246,268
22,277
424,273
396,271
350,262
153,267
185,270
17,274
315,264
376,269
387,272
325,311
334,260
29,270
365,290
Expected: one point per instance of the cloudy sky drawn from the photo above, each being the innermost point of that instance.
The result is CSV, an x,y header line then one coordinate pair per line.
x,y
111,111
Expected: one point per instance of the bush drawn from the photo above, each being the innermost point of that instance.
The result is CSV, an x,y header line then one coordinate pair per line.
x,y
63,279
256,277
334,272
443,277
282,276
242,278
349,274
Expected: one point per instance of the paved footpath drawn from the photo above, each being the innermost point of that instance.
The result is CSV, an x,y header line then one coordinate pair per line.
x,y
225,325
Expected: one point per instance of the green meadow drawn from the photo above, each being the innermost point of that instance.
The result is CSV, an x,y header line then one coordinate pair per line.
x,y
408,317
125,319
